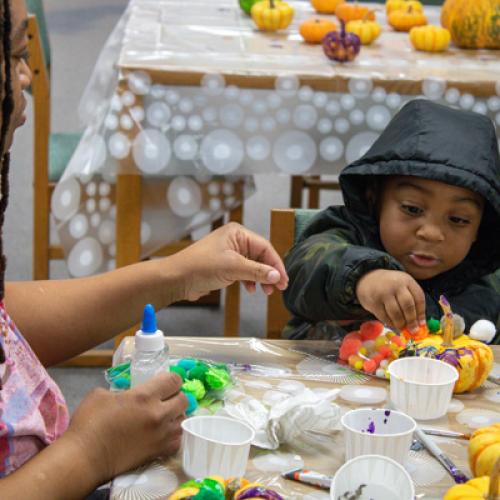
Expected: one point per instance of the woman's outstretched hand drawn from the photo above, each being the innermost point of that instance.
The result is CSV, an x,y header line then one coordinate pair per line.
x,y
228,254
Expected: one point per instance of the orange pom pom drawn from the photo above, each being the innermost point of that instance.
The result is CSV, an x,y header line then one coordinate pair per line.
x,y
385,351
349,347
420,334
370,330
369,366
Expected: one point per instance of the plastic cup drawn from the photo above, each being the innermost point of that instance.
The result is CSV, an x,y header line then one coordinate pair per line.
x,y
378,432
384,479
422,387
213,445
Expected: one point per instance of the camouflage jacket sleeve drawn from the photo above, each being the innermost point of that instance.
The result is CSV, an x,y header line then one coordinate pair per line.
x,y
324,268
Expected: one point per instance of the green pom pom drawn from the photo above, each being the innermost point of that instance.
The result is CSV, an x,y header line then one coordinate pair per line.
x,y
187,363
433,325
179,370
210,490
192,483
121,383
217,378
195,387
222,366
198,372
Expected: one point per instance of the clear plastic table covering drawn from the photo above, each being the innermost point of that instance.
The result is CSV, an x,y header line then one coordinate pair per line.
x,y
271,370
189,95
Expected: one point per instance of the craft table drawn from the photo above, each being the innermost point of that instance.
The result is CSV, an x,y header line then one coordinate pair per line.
x,y
188,100
270,370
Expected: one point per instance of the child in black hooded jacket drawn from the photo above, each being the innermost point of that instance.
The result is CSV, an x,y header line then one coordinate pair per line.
x,y
421,219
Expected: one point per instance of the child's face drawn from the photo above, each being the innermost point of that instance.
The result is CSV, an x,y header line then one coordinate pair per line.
x,y
428,226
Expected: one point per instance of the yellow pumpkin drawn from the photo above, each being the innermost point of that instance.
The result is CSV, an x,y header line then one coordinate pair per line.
x,y
484,487
326,6
368,31
313,30
484,450
430,38
353,11
405,20
473,24
392,5
473,359
272,15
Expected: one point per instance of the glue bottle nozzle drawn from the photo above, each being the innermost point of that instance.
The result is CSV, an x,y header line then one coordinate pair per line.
x,y
149,319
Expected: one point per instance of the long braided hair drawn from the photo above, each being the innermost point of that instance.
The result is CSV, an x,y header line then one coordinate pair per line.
x,y
7,108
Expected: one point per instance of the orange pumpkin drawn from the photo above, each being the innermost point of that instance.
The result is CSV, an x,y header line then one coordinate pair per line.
x,y
326,6
313,30
353,11
405,20
484,450
473,24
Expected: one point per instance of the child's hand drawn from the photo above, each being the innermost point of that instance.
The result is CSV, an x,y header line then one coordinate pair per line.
x,y
394,297
121,430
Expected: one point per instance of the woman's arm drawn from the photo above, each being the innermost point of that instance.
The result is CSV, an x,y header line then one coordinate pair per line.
x,y
62,318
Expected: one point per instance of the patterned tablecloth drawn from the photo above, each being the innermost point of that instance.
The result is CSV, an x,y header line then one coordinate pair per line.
x,y
189,95
272,370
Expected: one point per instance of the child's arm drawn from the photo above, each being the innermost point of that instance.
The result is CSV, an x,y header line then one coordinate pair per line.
x,y
324,270
62,318
110,433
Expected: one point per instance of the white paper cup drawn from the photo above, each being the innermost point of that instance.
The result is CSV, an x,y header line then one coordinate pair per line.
x,y
213,445
384,478
378,432
422,387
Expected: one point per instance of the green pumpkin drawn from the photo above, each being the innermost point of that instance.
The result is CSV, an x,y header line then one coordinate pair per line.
x,y
246,5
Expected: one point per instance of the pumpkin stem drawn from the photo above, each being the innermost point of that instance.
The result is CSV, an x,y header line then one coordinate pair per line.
x,y
494,482
342,28
367,15
271,4
449,326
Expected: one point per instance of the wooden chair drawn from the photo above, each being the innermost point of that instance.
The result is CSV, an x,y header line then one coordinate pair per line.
x,y
313,184
286,226
52,150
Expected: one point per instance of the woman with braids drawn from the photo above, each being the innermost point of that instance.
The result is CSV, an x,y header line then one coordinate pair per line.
x,y
44,455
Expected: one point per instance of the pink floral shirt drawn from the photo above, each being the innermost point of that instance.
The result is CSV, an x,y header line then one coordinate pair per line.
x,y
33,412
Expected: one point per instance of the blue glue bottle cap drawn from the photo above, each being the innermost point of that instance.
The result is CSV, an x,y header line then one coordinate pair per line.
x,y
149,338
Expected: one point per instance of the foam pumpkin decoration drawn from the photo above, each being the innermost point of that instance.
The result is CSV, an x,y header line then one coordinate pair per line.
x,y
484,450
484,487
405,20
326,6
392,5
473,25
368,31
341,46
353,11
472,359
272,15
430,38
313,30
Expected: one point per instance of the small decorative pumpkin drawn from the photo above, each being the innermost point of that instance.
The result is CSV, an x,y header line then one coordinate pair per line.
x,y
472,359
484,487
473,25
272,15
246,5
341,46
353,11
326,6
430,38
368,31
484,450
313,30
392,5
405,20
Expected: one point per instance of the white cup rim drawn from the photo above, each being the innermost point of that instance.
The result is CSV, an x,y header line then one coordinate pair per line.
x,y
378,436
453,376
361,458
185,428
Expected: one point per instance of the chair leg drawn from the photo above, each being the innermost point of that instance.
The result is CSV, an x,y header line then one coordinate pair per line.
x,y
232,302
41,235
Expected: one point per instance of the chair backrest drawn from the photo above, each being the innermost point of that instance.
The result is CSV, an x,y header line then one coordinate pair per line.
x,y
286,227
35,7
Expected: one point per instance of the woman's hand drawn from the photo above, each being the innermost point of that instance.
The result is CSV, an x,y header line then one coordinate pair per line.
x,y
228,254
118,431
393,297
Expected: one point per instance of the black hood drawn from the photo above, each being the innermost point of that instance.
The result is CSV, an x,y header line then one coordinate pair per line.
x,y
436,142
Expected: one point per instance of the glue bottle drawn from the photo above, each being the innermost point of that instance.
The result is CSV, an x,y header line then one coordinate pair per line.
x,y
151,351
